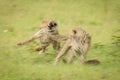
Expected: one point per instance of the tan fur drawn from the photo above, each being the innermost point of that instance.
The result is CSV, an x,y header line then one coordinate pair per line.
x,y
46,35
78,43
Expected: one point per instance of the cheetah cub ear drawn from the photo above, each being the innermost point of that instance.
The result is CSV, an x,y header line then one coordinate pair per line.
x,y
73,33
44,23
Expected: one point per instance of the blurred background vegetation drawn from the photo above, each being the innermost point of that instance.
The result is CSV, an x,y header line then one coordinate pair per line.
x,y
19,19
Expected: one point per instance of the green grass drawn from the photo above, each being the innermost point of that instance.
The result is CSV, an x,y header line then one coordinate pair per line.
x,y
22,18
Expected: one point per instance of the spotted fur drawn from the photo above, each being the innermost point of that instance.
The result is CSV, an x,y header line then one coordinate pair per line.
x,y
78,43
48,29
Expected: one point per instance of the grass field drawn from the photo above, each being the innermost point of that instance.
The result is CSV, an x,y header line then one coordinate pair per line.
x,y
19,19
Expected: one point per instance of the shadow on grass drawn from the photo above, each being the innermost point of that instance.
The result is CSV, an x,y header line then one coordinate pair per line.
x,y
108,53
